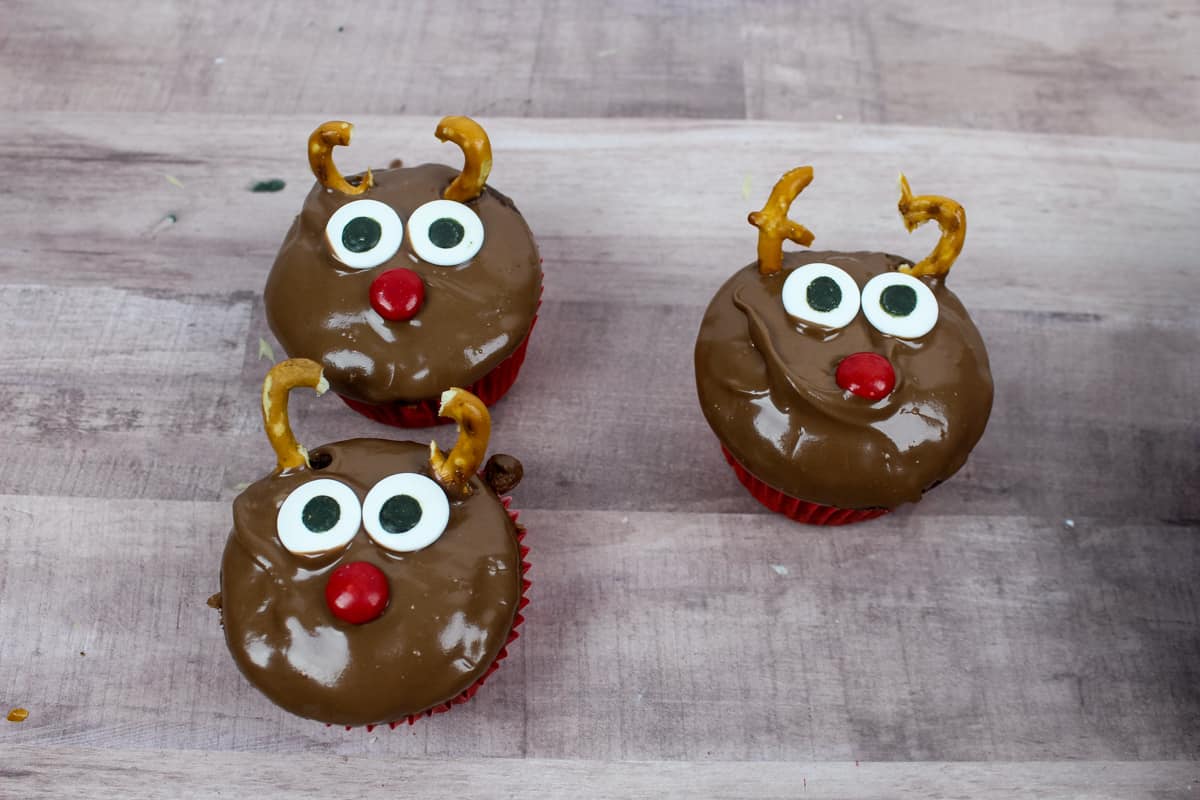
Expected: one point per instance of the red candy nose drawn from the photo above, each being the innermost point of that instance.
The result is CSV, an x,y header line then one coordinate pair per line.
x,y
868,375
398,294
357,592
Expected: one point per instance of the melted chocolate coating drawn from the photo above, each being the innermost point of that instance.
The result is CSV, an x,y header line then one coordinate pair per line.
x,y
767,387
474,316
450,611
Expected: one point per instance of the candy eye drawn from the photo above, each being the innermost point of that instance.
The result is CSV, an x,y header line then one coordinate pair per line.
x,y
898,304
821,294
405,512
364,233
318,517
445,233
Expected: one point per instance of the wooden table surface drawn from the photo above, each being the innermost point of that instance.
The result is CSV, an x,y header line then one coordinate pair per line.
x,y
1032,628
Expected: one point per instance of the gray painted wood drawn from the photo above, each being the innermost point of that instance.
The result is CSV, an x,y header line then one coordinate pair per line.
x,y
673,619
1066,67
1030,629
655,636
58,772
1054,220
1101,68
1081,277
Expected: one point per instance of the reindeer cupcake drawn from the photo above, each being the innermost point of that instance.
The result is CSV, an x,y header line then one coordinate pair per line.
x,y
843,384
373,581
405,281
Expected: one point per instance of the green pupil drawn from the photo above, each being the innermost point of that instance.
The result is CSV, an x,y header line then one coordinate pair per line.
x,y
446,232
898,300
321,513
400,513
824,294
361,234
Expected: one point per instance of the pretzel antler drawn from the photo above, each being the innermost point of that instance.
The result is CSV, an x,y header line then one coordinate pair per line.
x,y
773,223
283,377
454,472
473,139
949,216
320,157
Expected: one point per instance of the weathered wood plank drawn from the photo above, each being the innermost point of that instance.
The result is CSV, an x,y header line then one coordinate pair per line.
x,y
1071,67
654,636
106,390
160,400
1098,68
626,211
1042,605
87,773
522,59
1046,272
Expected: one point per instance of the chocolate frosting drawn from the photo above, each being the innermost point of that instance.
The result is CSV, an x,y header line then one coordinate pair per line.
x,y
767,387
451,608
474,316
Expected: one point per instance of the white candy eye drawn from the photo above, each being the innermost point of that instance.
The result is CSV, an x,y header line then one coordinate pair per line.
x,y
821,294
318,517
364,233
445,233
898,304
405,512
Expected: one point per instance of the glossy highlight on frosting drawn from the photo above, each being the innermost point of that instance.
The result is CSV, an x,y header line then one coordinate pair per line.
x,y
768,387
450,610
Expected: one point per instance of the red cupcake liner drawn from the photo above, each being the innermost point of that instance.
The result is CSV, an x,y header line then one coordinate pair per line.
x,y
795,508
513,634
424,413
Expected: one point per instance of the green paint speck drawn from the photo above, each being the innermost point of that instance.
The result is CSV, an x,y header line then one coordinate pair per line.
x,y
271,185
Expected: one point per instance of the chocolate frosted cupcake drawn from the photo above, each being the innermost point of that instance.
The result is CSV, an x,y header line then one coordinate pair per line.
x,y
373,581
406,281
843,384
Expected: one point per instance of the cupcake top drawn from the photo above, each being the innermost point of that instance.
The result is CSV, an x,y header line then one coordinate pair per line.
x,y
371,580
854,380
405,281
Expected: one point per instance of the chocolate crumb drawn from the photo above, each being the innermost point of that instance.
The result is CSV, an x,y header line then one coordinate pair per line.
x,y
502,473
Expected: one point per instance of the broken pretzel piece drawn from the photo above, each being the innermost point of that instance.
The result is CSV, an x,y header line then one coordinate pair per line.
x,y
454,471
949,216
283,377
320,157
773,223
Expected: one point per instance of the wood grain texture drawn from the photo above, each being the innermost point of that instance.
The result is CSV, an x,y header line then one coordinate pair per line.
x,y
1066,67
655,636
680,638
1052,218
1046,273
58,772
1106,68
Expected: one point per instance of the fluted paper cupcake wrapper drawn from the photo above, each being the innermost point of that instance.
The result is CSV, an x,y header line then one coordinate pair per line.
x,y
795,508
424,413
